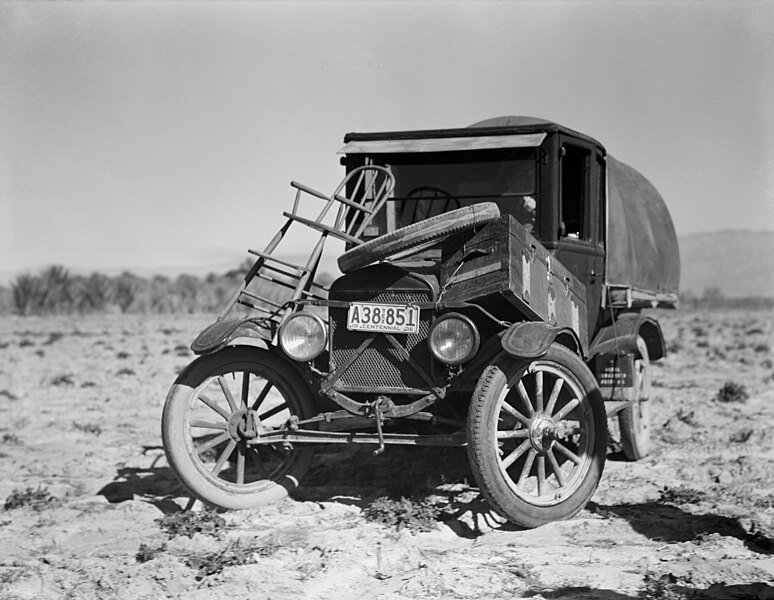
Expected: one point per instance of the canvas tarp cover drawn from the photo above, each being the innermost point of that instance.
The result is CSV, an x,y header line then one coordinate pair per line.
x,y
642,250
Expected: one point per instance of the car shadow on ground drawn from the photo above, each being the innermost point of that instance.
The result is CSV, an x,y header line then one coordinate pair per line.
x,y
348,475
441,476
665,589
156,485
669,523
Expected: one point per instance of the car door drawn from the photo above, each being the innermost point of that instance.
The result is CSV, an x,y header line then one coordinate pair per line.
x,y
581,218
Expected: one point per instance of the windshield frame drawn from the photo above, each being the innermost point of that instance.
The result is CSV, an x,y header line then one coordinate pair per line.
x,y
488,162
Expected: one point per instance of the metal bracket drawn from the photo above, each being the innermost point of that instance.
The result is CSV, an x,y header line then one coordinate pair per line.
x,y
377,408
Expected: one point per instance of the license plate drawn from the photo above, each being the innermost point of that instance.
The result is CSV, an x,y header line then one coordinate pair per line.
x,y
386,318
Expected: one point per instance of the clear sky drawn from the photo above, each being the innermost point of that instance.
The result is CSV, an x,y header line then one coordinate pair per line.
x,y
155,135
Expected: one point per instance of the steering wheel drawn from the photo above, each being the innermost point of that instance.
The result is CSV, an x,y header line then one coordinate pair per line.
x,y
424,210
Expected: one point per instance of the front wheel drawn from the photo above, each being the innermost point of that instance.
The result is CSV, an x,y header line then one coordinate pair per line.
x,y
537,437
217,406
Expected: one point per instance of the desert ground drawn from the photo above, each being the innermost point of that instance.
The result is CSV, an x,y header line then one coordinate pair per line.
x,y
89,508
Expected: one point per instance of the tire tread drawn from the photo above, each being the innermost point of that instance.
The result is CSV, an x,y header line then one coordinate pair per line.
x,y
414,235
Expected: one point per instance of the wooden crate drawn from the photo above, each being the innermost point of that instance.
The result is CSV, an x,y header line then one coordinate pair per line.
x,y
502,259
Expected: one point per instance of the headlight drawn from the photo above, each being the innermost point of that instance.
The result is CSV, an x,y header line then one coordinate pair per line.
x,y
302,336
453,339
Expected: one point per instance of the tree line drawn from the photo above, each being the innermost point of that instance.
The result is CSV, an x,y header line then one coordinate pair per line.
x,y
56,291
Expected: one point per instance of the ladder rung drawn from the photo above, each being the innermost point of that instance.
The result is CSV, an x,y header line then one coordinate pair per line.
x,y
271,313
285,284
294,279
295,276
280,261
326,228
261,299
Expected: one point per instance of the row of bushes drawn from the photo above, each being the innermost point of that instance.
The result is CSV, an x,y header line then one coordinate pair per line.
x,y
713,297
56,291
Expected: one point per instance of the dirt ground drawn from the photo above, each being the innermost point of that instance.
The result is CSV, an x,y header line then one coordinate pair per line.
x,y
85,488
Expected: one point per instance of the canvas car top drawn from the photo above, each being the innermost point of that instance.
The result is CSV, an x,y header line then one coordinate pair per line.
x,y
643,254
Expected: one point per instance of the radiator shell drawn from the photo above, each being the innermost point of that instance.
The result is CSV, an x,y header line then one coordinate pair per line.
x,y
381,368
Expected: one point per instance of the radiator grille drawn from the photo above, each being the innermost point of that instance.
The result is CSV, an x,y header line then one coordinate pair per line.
x,y
380,365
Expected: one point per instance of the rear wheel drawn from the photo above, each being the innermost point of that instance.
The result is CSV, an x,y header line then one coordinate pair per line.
x,y
537,436
215,408
634,421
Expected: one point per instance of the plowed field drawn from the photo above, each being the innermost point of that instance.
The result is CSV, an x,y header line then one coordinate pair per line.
x,y
86,488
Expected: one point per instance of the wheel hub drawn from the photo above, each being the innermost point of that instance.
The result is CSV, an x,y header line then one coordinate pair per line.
x,y
244,425
542,433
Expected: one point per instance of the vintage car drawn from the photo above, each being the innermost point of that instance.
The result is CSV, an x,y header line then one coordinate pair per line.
x,y
491,297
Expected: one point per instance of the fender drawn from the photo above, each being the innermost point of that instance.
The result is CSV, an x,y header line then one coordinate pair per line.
x,y
620,337
531,339
221,333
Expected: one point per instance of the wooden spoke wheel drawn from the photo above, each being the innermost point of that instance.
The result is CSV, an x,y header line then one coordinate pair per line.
x,y
537,437
634,421
215,408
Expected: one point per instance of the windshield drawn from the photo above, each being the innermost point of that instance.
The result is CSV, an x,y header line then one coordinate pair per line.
x,y
429,184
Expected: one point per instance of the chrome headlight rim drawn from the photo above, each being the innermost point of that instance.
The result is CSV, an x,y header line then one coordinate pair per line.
x,y
316,350
471,326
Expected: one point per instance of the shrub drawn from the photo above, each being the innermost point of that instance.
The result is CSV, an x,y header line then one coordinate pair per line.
x,y
64,379
681,495
127,289
741,436
235,553
687,417
146,553
661,588
37,499
92,428
54,336
57,290
207,521
11,439
25,292
96,293
732,392
409,513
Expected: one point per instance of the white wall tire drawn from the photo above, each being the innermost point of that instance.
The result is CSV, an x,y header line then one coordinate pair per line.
x,y
537,437
635,421
201,431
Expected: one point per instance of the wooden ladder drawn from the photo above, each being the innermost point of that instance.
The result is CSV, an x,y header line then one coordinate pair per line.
x,y
357,200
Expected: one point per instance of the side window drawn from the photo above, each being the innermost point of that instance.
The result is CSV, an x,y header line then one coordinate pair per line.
x,y
575,192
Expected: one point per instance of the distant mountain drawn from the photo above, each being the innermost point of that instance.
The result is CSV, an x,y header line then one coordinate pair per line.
x,y
739,263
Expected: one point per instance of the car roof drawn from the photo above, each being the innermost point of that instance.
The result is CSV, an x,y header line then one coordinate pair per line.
x,y
498,126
